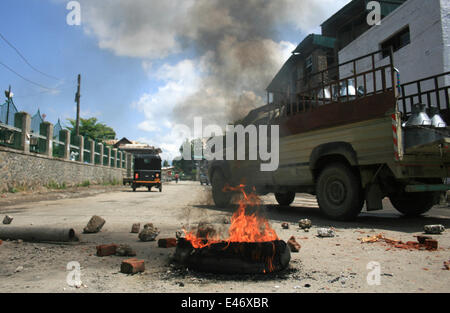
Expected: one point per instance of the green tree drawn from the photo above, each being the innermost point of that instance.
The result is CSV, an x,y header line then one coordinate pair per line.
x,y
93,129
166,163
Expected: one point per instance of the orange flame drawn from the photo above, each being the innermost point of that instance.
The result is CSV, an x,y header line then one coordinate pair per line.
x,y
244,228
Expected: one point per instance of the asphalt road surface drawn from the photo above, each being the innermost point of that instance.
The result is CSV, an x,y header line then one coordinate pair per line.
x,y
339,264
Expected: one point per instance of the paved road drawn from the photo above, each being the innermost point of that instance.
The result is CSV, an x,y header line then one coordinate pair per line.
x,y
334,264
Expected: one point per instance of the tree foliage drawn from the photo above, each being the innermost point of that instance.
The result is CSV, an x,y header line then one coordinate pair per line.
x,y
93,129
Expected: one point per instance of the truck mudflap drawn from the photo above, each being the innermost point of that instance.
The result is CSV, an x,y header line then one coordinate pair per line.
x,y
427,188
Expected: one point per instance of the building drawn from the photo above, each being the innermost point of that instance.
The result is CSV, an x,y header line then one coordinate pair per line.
x,y
305,69
418,32
351,21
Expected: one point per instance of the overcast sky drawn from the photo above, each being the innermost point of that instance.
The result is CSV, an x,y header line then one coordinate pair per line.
x,y
148,65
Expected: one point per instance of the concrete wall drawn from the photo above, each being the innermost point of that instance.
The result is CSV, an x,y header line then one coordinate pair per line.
x,y
428,53
19,169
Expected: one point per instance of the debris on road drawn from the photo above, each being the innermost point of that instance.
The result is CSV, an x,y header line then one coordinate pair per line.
x,y
1,242
423,243
95,225
371,239
421,239
18,269
325,232
447,265
106,250
149,233
167,243
125,250
38,234
305,224
7,220
431,244
132,266
434,229
285,225
294,245
135,229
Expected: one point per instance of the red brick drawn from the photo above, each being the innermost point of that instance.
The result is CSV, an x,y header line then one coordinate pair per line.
x,y
106,250
431,244
132,266
294,246
167,243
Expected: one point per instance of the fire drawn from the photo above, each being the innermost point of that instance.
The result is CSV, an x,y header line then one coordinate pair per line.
x,y
244,227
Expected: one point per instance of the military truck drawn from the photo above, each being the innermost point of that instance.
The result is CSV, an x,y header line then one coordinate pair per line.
x,y
353,141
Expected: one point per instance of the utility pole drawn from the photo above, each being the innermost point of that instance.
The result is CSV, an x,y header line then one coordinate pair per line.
x,y
77,100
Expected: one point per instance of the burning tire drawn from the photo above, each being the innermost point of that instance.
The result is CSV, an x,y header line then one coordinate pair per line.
x,y
235,257
221,198
286,198
339,192
414,204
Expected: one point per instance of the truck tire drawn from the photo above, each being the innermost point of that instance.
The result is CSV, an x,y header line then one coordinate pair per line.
x,y
339,192
414,203
221,199
286,198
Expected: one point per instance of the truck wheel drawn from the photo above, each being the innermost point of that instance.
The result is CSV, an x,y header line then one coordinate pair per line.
x,y
149,189
339,192
160,188
221,199
414,203
134,188
286,198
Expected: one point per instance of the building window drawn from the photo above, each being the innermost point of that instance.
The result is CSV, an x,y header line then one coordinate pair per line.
x,y
398,41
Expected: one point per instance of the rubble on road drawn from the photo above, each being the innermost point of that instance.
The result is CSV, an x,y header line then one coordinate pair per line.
x,y
167,243
421,239
132,266
305,223
431,244
7,220
434,229
95,225
325,232
135,229
1,242
18,269
106,250
447,265
423,243
149,233
293,245
285,225
125,250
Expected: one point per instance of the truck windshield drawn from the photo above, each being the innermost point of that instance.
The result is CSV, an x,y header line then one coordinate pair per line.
x,y
147,163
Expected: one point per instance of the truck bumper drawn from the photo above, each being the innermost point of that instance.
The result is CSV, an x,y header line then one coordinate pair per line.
x,y
426,188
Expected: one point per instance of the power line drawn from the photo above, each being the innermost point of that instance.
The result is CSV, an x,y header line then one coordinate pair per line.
x,y
24,59
26,79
